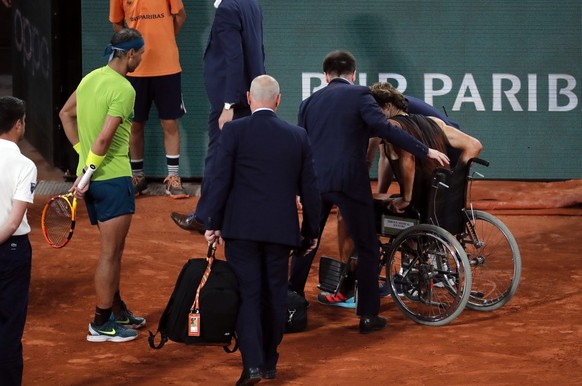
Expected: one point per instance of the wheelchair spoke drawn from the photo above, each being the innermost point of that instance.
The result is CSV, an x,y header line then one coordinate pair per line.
x,y
495,261
429,268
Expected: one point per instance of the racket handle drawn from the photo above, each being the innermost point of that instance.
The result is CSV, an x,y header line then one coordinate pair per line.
x,y
86,177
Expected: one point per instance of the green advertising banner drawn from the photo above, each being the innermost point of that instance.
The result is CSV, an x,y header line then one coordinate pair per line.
x,y
508,72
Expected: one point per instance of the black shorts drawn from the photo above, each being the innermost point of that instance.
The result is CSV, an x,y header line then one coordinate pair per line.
x,y
165,91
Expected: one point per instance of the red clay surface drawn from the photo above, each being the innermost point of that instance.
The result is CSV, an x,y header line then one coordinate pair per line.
x,y
536,339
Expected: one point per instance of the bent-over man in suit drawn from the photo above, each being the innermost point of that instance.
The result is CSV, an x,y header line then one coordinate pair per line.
x,y
262,163
339,120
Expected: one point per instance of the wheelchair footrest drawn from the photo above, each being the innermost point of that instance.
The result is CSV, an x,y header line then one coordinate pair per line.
x,y
332,272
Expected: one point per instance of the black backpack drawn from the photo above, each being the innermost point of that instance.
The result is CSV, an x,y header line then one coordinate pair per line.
x,y
218,304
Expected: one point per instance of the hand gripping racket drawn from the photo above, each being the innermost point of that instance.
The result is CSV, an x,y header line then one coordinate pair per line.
x,y
58,216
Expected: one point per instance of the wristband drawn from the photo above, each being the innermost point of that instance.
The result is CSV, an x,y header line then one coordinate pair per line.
x,y
94,160
77,147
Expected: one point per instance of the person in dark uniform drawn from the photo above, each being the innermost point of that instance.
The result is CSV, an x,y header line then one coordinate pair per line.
x,y
339,120
234,56
17,184
262,163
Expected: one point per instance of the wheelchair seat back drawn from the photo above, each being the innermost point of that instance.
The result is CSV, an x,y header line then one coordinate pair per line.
x,y
446,203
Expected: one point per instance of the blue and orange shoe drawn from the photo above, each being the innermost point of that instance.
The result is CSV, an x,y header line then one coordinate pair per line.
x,y
338,300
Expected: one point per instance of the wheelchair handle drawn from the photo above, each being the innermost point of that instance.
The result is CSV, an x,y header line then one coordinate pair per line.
x,y
444,171
440,175
479,161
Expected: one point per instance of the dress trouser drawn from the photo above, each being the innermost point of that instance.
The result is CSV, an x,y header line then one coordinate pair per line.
x,y
15,269
261,269
359,219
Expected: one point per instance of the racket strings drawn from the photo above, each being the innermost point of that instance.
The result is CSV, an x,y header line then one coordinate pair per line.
x,y
58,221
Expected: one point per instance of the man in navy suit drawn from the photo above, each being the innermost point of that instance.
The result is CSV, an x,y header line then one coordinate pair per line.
x,y
339,120
234,56
262,163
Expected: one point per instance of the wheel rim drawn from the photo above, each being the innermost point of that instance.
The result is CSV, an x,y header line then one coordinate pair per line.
x,y
429,269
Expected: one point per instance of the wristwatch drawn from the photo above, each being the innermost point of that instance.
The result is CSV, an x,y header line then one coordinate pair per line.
x,y
228,106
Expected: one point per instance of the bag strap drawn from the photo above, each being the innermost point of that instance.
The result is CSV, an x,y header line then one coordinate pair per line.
x,y
161,324
152,337
234,348
210,259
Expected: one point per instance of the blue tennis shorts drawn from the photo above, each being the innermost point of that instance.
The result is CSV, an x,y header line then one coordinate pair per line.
x,y
109,199
165,91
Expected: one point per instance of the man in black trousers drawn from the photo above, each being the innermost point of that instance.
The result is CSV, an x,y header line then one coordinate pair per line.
x,y
262,163
339,120
17,185
234,56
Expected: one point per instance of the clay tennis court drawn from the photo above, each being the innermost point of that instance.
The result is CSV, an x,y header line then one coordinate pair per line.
x,y
536,339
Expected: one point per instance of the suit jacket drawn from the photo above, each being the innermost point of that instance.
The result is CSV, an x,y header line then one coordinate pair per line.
x,y
262,163
339,120
234,55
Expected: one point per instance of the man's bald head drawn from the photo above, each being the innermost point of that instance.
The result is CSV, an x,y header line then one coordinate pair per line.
x,y
264,93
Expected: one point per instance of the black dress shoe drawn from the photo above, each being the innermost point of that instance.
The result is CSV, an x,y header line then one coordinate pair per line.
x,y
249,376
370,324
269,374
188,222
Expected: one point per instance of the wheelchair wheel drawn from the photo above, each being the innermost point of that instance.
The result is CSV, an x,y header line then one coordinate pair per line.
x,y
495,261
429,275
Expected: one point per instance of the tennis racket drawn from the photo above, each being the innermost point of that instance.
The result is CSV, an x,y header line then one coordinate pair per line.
x,y
58,217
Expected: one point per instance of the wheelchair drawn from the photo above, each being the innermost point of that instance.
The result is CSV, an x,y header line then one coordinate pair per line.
x,y
447,255
490,247
440,255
